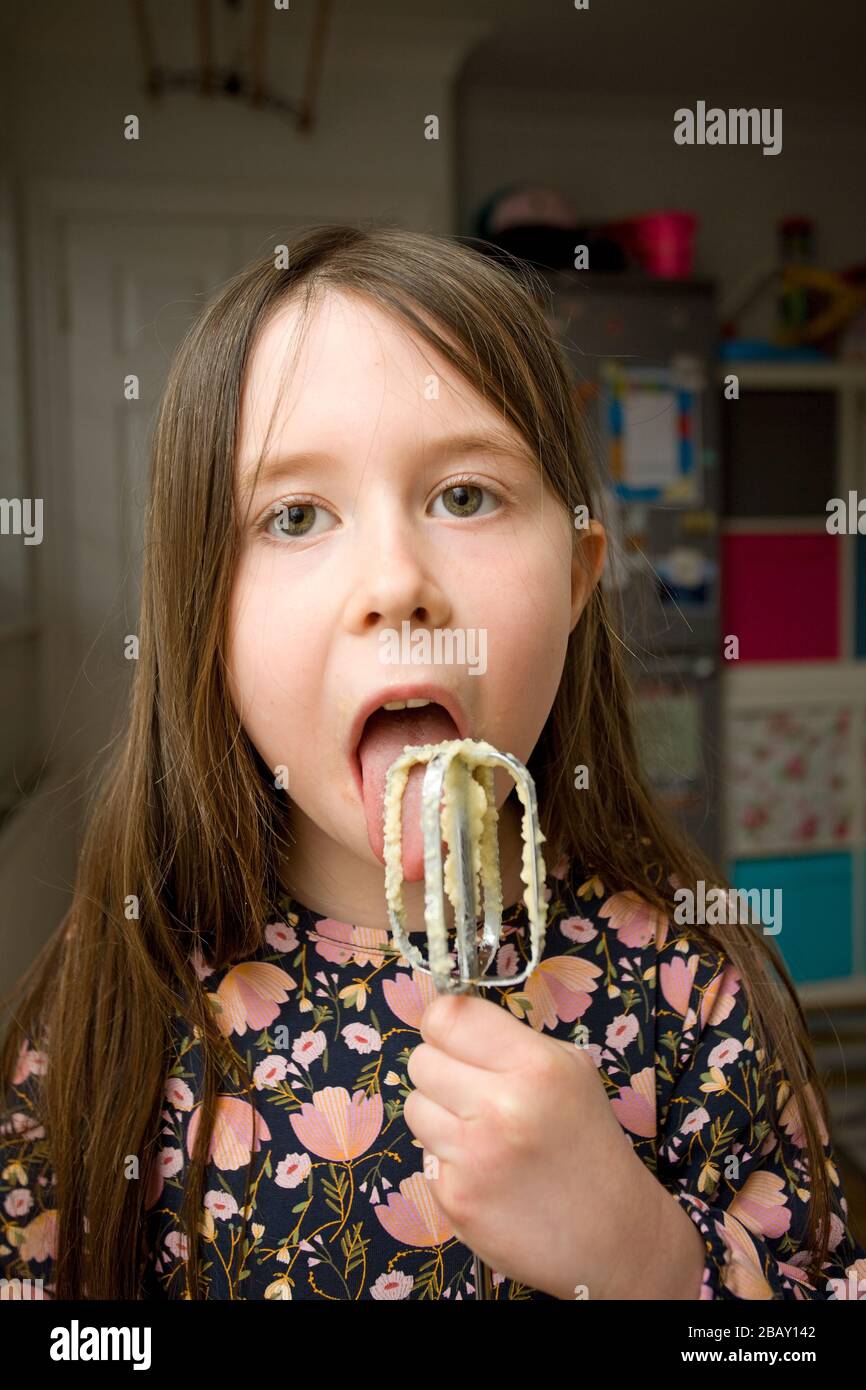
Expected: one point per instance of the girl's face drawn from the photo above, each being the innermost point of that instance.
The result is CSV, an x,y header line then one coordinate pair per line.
x,y
370,513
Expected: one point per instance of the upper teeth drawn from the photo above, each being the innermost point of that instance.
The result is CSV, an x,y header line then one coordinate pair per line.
x,y
406,704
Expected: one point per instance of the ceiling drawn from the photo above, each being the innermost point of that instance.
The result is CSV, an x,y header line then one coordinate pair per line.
x,y
760,52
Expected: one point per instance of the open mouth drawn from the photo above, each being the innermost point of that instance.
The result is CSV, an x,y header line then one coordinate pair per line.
x,y
387,729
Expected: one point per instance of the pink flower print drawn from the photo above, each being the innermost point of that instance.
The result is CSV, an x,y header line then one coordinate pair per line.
x,y
360,1037
635,921
760,1205
167,1163
220,1205
754,817
412,1216
307,1047
19,1202
559,990
791,1120
797,1277
795,767
635,1106
199,964
621,1032
725,1052
506,960
742,1272
695,1121
676,980
392,1286
20,1122
178,1244
30,1062
178,1093
251,996
40,1238
578,929
336,1126
562,868
270,1071
292,1170
808,828
281,936
837,1231
408,998
238,1132
719,997
339,942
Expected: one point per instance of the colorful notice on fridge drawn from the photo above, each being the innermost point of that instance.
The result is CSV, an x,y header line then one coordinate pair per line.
x,y
650,454
651,419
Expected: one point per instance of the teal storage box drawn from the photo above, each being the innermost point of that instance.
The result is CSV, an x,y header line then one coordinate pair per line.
x,y
815,939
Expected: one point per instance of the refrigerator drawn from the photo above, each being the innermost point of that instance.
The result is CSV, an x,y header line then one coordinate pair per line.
x,y
641,356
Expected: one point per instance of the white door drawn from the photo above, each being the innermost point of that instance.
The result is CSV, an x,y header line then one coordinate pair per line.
x,y
116,275
132,291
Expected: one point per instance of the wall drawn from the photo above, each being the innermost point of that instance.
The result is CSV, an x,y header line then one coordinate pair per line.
x,y
614,155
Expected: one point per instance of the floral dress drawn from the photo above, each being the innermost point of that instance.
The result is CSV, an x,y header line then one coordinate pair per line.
x,y
326,1014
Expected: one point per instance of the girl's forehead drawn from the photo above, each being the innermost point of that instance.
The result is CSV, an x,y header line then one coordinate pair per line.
x,y
341,356
340,325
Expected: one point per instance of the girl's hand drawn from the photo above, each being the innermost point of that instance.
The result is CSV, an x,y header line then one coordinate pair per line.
x,y
534,1171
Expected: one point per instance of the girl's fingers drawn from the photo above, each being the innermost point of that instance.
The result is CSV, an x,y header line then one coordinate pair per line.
x,y
433,1127
455,1086
477,1031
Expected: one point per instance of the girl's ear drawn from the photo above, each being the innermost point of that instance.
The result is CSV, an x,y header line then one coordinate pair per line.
x,y
589,551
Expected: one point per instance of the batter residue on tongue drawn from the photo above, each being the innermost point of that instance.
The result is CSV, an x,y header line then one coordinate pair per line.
x,y
385,735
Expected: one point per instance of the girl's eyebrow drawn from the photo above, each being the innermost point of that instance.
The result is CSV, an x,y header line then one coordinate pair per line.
x,y
285,466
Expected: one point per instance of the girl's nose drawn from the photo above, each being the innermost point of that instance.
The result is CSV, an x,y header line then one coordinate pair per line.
x,y
395,577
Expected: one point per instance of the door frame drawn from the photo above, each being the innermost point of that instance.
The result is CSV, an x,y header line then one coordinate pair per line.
x,y
39,844
49,204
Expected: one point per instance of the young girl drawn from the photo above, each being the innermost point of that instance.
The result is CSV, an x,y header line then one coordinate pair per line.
x,y
219,1063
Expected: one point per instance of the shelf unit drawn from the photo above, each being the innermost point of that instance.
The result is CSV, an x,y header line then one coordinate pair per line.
x,y
794,729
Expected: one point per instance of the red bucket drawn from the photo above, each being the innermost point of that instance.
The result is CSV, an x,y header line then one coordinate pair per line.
x,y
664,243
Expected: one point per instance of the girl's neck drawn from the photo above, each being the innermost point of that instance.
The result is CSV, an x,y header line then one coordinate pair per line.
x,y
332,882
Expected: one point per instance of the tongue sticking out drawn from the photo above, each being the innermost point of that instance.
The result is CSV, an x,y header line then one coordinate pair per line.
x,y
385,735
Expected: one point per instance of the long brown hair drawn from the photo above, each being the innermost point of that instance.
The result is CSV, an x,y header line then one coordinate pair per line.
x,y
186,818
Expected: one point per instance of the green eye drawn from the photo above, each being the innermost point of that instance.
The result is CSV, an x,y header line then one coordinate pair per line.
x,y
292,520
466,499
295,520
